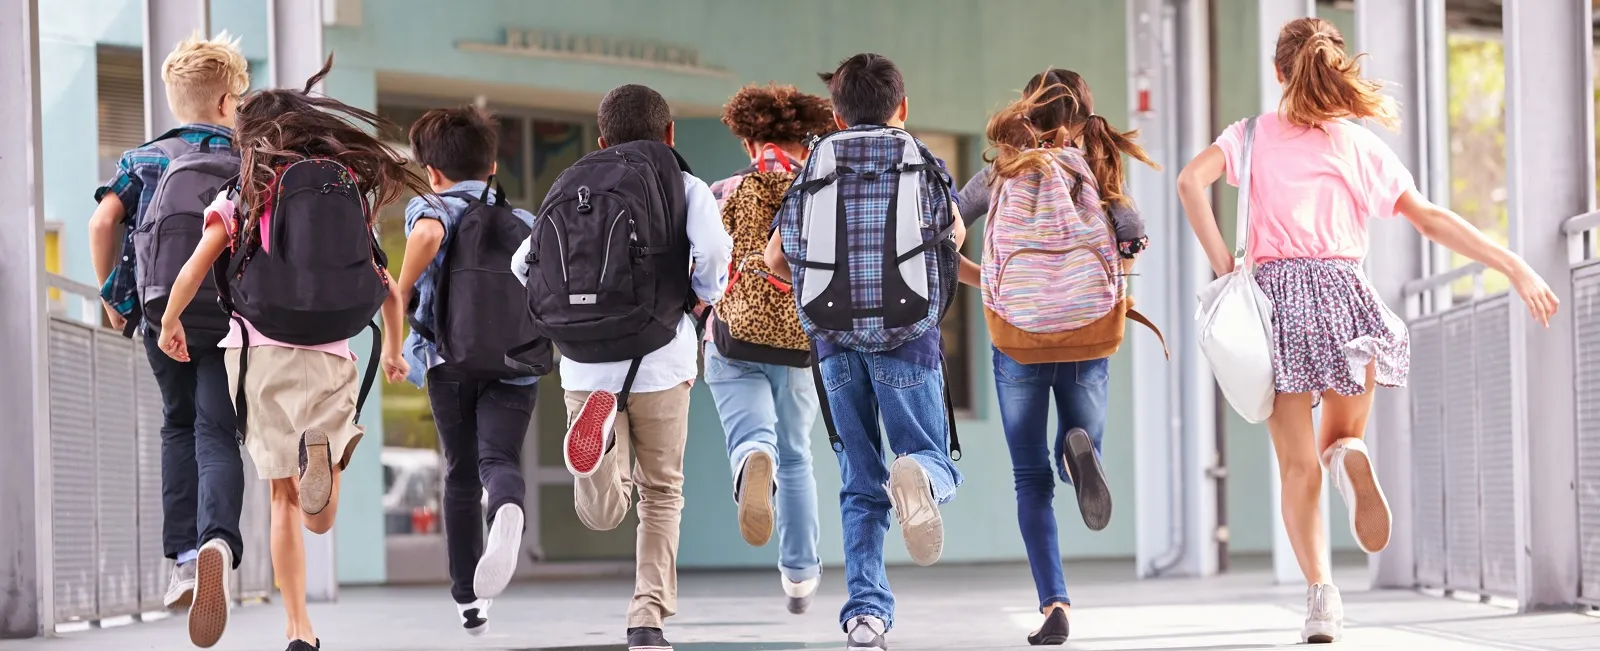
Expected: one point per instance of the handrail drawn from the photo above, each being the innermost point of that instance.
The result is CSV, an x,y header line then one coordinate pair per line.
x,y
1581,223
70,286
1436,281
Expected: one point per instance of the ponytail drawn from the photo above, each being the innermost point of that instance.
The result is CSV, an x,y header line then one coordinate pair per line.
x,y
1104,147
1322,82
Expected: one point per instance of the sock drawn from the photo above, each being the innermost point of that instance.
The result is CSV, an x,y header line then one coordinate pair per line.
x,y
188,557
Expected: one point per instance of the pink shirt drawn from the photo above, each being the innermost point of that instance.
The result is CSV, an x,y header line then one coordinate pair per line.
x,y
219,207
1312,190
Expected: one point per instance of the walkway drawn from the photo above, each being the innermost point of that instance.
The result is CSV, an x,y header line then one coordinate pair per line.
x,y
744,612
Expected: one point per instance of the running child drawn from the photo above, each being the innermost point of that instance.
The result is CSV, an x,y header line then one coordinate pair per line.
x,y
1316,177
628,242
756,353
880,208
300,273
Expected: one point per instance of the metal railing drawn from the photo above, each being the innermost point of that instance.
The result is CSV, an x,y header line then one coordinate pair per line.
x,y
1461,424
105,457
1581,246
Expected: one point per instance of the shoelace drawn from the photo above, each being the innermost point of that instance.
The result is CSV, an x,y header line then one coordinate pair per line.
x,y
1317,603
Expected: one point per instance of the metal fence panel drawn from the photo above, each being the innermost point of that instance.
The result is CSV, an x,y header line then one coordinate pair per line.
x,y
117,493
1463,550
153,564
1586,322
1427,448
255,569
1491,334
72,468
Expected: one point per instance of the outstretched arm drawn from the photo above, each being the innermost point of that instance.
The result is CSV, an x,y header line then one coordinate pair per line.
x,y
1445,227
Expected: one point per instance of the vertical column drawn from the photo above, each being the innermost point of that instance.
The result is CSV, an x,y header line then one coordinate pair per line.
x,y
1550,172
1271,16
165,23
294,49
25,576
1174,424
1391,33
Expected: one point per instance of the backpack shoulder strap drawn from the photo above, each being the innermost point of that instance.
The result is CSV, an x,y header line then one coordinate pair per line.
x,y
1145,321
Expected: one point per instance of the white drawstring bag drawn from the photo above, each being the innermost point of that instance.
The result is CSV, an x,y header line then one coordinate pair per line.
x,y
1235,318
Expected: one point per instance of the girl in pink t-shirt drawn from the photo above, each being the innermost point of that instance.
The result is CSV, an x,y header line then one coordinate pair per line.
x,y
1317,177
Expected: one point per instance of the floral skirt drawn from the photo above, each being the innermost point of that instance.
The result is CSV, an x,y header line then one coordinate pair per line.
x,y
1328,325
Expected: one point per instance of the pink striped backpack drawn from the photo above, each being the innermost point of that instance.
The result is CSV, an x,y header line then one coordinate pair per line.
x,y
1053,287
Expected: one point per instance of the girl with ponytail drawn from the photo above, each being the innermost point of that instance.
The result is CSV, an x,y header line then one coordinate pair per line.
x,y
1316,176
1055,183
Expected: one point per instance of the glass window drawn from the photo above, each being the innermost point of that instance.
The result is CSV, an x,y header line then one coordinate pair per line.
x,y
511,161
956,326
1476,111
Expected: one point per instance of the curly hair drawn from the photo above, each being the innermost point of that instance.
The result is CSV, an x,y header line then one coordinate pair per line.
x,y
777,114
279,126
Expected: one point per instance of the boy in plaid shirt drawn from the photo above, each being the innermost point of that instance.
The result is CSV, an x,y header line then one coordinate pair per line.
x,y
202,474
904,385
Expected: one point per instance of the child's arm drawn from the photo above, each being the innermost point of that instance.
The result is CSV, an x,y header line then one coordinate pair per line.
x,y
422,246
970,273
774,258
395,367
710,246
173,339
1447,228
1193,181
961,226
105,235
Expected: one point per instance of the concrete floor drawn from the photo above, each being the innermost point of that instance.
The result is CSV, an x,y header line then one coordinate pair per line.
x,y
955,607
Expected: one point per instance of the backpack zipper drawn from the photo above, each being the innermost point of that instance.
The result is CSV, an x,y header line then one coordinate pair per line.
x,y
606,262
1000,275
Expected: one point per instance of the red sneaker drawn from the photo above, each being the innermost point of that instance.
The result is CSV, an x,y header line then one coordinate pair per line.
x,y
589,437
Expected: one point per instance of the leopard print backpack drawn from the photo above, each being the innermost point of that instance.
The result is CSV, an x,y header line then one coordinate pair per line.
x,y
756,318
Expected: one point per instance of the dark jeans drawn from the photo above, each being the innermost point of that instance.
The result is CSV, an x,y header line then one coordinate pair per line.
x,y
1024,391
482,424
202,470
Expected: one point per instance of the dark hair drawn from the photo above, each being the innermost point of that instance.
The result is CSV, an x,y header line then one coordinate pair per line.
x,y
279,126
777,114
633,112
1057,104
866,89
459,142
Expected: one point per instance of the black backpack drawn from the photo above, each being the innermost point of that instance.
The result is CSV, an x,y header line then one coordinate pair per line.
x,y
317,280
480,312
608,261
170,229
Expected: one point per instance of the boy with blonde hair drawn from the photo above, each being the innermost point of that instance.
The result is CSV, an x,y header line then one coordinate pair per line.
x,y
202,474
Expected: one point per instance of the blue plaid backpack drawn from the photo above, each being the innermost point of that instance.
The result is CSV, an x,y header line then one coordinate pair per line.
x,y
868,230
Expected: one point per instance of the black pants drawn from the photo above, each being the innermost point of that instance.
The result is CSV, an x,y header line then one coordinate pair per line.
x,y
482,424
202,472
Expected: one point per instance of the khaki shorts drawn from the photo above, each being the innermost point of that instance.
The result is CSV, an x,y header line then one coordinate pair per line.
x,y
291,390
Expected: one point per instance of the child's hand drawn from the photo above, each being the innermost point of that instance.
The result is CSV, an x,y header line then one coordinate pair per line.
x,y
395,367
113,317
174,342
1541,301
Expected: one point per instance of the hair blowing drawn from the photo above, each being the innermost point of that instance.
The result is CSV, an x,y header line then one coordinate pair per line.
x,y
1322,82
280,126
1056,107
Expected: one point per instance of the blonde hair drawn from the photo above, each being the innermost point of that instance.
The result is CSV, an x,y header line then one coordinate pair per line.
x,y
201,71
1322,82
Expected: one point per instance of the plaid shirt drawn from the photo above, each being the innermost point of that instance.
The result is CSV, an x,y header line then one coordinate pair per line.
x,y
138,172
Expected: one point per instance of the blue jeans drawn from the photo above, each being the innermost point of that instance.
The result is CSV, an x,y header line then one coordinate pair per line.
x,y
909,397
770,408
1024,391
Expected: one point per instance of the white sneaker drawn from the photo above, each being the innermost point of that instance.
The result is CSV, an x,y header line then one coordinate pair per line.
x,y
911,494
180,588
213,593
500,553
800,593
1324,615
865,633
474,616
1370,518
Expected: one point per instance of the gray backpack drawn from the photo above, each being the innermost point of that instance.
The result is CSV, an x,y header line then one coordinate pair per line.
x,y
170,227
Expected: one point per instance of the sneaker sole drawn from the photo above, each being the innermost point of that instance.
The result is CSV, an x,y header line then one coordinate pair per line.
x,y
1319,639
755,506
799,605
316,484
1370,518
477,631
499,559
208,615
911,493
585,441
1088,480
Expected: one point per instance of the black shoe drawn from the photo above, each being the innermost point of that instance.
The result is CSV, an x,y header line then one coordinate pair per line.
x,y
1054,630
1088,479
300,645
644,638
